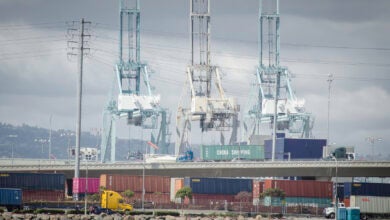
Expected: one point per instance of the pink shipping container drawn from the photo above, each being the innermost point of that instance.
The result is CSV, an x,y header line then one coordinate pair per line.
x,y
302,188
43,195
122,183
79,185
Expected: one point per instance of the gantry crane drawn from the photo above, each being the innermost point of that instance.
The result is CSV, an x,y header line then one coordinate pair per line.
x,y
209,105
272,85
135,102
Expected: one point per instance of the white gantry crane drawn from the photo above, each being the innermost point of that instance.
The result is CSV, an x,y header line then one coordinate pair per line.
x,y
208,104
134,102
272,92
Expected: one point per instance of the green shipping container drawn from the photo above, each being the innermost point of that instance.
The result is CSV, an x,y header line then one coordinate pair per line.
x,y
229,152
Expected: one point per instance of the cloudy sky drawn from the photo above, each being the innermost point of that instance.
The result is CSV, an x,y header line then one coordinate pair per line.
x,y
349,39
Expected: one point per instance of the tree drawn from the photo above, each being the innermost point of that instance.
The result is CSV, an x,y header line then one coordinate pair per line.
x,y
183,193
128,194
243,195
273,193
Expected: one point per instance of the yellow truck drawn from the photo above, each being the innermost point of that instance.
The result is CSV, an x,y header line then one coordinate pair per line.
x,y
114,201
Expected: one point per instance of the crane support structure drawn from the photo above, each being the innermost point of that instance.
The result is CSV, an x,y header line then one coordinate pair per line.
x,y
137,104
273,85
209,106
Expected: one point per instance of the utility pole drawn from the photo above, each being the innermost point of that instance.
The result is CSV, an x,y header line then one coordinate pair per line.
x,y
50,137
329,80
275,115
80,48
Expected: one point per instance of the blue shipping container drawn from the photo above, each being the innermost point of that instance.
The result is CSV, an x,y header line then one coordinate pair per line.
x,y
10,197
297,148
366,189
222,186
34,181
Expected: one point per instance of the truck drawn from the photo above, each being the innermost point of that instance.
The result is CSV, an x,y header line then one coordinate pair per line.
x,y
114,201
329,212
340,153
188,156
371,206
11,198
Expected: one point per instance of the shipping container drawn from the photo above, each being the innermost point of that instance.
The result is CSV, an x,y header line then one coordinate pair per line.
x,y
43,195
371,204
302,188
10,197
225,186
159,198
230,152
366,189
214,199
309,201
122,183
80,185
257,188
33,181
295,148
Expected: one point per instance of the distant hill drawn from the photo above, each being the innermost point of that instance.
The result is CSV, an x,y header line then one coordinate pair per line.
x,y
33,142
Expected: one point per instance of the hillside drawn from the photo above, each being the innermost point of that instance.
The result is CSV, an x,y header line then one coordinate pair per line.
x,y
33,142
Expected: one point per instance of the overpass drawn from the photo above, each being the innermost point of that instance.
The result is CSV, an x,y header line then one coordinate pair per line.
x,y
205,169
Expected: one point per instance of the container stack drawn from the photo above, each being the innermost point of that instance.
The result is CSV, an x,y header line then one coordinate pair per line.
x,y
370,197
157,188
304,192
36,186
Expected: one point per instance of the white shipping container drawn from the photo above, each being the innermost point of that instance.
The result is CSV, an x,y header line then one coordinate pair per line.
x,y
172,192
371,204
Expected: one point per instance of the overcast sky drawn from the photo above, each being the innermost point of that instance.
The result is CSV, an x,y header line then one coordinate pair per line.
x,y
349,39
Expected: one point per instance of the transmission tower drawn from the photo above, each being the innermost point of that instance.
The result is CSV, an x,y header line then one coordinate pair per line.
x,y
209,105
135,102
272,92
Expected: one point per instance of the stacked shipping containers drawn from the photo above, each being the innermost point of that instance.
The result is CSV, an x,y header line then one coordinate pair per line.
x,y
157,188
306,192
36,186
372,198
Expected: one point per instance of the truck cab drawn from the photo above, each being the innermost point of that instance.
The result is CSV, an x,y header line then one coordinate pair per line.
x,y
114,201
330,211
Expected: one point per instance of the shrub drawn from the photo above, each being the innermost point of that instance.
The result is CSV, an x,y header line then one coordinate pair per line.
x,y
163,213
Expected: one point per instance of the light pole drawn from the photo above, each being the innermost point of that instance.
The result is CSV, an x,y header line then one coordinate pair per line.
x,y
336,203
86,185
12,147
372,141
42,141
330,80
68,135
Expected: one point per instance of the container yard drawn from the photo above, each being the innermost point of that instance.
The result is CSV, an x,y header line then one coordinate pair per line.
x,y
243,140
